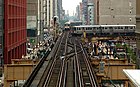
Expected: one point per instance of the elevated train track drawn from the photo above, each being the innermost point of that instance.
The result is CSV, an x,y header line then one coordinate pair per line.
x,y
67,65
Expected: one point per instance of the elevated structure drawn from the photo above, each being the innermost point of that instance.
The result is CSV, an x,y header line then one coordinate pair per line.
x,y
133,76
16,72
111,71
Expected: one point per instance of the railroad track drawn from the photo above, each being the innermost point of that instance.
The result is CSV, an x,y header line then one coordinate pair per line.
x,y
53,74
66,66
86,75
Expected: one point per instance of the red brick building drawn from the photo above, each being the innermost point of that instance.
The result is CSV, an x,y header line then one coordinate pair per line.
x,y
14,29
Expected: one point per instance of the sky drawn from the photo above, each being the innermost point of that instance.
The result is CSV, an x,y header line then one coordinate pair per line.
x,y
70,5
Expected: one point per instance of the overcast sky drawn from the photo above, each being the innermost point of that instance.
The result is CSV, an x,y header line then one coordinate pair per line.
x,y
70,5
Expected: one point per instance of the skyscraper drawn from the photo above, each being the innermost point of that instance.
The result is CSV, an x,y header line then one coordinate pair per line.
x,y
32,22
78,12
85,11
90,13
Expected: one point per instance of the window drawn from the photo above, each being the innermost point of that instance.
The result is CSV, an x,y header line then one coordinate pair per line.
x,y
110,27
130,11
130,4
131,27
126,27
0,10
130,19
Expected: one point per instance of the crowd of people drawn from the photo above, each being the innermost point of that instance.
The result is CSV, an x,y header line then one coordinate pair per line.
x,y
103,49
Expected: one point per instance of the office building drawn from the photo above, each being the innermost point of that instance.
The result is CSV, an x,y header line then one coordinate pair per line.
x,y
14,29
78,12
90,13
85,11
115,11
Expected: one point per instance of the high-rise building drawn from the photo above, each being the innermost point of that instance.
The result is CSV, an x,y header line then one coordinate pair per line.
x,y
14,29
60,9
85,11
1,32
138,31
35,21
78,12
54,8
81,12
32,22
96,11
40,34
50,12
115,11
90,13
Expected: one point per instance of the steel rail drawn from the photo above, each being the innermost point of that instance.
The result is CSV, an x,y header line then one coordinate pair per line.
x,y
36,69
80,79
75,72
63,72
49,74
92,77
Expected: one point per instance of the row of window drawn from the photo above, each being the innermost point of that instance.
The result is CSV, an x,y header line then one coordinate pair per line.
x,y
106,28
16,36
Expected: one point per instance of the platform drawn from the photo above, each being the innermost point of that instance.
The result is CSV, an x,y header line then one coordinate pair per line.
x,y
133,75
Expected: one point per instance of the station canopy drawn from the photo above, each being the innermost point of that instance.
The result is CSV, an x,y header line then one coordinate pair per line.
x,y
133,75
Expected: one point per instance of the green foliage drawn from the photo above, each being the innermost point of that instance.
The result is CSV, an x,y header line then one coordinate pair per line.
x,y
129,51
131,54
118,45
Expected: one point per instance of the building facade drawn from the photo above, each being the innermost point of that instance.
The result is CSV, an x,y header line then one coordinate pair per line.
x,y
81,13
85,11
90,13
96,11
35,21
60,9
40,19
32,22
78,13
138,31
14,29
1,32
115,11
50,13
